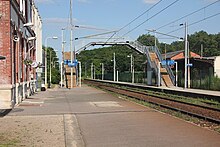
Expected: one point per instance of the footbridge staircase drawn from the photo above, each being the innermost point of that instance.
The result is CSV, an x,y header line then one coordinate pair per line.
x,y
164,74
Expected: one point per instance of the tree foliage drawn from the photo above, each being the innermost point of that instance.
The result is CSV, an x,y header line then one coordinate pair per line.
x,y
55,73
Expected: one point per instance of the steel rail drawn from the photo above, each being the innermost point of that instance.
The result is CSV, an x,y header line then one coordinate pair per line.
x,y
150,97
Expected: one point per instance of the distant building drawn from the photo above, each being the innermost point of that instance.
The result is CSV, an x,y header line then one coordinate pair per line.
x,y
201,66
36,20
18,40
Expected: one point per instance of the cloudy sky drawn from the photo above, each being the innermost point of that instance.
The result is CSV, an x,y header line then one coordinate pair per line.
x,y
98,16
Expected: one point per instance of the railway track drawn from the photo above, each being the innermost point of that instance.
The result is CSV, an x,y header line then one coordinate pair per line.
x,y
208,113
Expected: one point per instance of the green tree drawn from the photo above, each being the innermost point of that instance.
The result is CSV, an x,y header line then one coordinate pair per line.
x,y
55,74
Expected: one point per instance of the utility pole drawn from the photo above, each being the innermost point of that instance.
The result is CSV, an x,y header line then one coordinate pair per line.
x,y
92,71
114,65
132,68
186,46
71,52
188,67
71,42
61,66
201,50
80,71
102,64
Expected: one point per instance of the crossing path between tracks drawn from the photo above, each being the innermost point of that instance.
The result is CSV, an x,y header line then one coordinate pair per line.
x,y
90,117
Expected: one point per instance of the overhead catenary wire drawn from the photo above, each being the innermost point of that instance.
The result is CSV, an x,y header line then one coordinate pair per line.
x,y
94,35
188,15
140,15
135,19
216,14
150,18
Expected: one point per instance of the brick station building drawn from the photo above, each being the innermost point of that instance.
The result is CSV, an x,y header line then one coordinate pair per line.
x,y
20,44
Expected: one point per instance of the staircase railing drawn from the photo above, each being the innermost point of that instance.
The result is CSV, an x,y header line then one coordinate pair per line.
x,y
170,72
142,49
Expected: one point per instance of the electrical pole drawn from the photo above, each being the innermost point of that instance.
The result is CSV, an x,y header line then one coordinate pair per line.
x,y
92,71
201,50
80,71
186,46
71,42
114,66
61,66
188,67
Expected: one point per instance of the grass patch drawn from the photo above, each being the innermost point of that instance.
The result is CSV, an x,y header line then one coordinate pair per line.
x,y
5,141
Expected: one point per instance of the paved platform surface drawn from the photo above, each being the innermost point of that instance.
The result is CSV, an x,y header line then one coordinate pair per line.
x,y
89,117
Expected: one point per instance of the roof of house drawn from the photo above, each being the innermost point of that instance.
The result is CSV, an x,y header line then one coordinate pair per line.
x,y
172,54
176,55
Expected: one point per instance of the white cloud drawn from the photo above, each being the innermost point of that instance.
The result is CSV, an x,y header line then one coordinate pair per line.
x,y
150,1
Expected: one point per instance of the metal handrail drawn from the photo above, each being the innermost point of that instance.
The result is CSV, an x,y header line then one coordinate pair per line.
x,y
143,49
170,72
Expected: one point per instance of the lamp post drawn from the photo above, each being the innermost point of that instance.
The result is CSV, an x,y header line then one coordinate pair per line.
x,y
132,67
49,86
186,54
45,74
61,66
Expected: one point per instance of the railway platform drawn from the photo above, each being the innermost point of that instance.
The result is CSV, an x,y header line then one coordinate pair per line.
x,y
91,117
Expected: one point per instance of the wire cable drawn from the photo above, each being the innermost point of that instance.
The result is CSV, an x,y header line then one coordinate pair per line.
x,y
195,22
140,16
188,15
151,17
135,19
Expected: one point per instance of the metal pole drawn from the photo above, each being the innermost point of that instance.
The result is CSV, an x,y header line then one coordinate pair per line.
x,y
92,71
61,74
201,50
117,76
50,71
45,62
188,67
85,70
158,74
165,52
114,66
186,46
80,74
71,52
176,74
132,69
131,63
71,42
102,64
61,66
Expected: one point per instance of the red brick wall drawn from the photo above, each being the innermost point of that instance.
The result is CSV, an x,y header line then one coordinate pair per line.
x,y
5,65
